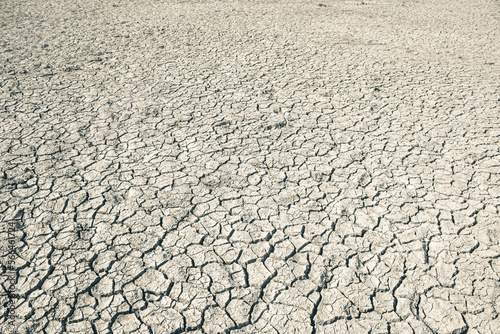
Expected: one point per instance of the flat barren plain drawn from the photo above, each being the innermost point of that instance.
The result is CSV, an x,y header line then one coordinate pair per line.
x,y
323,167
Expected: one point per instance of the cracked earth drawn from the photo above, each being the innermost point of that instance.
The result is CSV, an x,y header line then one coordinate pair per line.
x,y
250,166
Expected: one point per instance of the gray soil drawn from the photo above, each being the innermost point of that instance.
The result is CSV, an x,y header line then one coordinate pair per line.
x,y
250,166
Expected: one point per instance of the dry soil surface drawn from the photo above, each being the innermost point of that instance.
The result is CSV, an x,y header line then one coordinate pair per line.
x,y
250,166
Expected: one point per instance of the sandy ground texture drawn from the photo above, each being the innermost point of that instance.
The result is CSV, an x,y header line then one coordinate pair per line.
x,y
250,166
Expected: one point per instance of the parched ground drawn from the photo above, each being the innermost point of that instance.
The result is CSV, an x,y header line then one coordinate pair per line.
x,y
317,166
